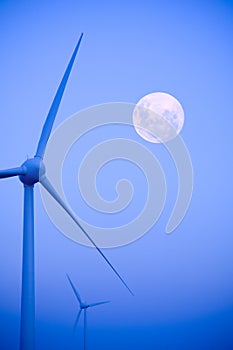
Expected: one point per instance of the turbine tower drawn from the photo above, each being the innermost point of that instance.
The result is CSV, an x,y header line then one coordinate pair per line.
x,y
83,307
31,172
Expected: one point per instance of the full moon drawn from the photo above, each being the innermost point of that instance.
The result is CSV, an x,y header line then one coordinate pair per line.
x,y
158,117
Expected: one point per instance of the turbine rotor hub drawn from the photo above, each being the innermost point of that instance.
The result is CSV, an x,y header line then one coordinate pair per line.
x,y
34,168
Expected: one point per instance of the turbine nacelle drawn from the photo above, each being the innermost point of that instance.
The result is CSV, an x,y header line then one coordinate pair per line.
x,y
34,168
84,305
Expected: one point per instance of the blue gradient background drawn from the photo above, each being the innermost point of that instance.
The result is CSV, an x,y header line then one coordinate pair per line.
x,y
183,283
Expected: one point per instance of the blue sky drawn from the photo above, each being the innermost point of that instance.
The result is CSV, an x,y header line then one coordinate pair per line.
x,y
183,283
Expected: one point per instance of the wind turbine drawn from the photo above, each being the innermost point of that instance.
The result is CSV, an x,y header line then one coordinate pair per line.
x,y
31,172
83,307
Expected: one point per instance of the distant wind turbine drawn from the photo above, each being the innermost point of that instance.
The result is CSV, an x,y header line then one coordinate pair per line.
x,y
83,307
31,172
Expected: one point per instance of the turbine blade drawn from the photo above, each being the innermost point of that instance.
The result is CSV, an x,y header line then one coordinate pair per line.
x,y
12,172
48,186
99,303
27,322
47,128
76,321
74,290
85,329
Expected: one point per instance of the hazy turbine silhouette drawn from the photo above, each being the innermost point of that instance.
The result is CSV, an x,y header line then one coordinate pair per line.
x,y
83,307
31,172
